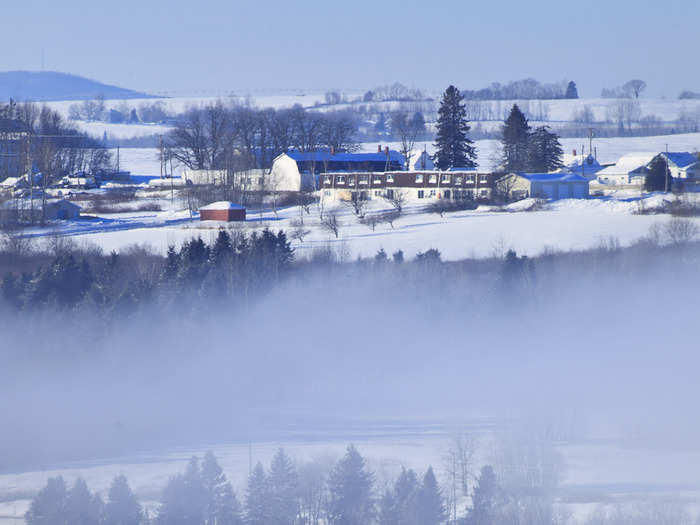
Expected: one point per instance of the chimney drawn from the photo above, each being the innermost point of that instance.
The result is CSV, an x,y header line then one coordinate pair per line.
x,y
386,150
379,148
332,151
574,153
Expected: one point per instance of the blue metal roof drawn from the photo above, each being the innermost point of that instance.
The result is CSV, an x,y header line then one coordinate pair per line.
x,y
553,177
326,156
681,158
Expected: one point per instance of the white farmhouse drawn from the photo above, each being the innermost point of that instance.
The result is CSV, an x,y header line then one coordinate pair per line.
x,y
420,161
629,170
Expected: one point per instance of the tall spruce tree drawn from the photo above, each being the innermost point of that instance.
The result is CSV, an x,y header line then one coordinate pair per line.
x,y
516,141
398,505
485,499
388,510
454,149
350,491
122,507
183,501
256,503
571,90
430,505
544,150
83,507
283,487
221,505
658,177
49,506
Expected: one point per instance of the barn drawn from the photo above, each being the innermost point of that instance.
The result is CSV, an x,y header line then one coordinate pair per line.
x,y
61,209
551,186
222,211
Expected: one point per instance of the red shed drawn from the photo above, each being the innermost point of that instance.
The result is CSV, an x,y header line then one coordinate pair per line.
x,y
222,211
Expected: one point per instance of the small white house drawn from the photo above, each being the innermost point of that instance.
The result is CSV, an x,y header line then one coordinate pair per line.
x,y
283,177
420,161
629,170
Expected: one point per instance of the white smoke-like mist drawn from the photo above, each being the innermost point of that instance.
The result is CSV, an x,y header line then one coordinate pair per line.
x,y
604,347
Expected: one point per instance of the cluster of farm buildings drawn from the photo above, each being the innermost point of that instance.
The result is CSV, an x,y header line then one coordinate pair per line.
x,y
346,176
385,174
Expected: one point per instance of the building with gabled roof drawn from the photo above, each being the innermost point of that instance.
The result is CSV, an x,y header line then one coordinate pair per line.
x,y
552,186
682,164
629,169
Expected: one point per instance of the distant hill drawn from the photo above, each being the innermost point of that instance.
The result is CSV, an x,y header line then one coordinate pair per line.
x,y
39,86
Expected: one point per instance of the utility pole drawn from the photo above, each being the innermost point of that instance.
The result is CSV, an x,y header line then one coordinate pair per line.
x,y
172,186
30,179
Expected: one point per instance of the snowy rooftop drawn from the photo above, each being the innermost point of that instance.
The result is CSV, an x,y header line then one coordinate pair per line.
x,y
553,177
681,159
221,205
629,162
321,156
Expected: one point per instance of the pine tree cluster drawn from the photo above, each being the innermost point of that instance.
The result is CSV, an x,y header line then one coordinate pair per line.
x,y
231,264
537,151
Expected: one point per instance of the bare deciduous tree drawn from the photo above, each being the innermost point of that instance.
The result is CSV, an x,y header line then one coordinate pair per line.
x,y
331,223
634,87
397,198
681,231
407,129
298,231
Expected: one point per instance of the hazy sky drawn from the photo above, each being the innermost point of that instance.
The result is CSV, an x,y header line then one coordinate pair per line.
x,y
216,46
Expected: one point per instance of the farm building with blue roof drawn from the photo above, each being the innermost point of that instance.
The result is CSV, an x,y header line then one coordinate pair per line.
x,y
682,164
552,186
305,167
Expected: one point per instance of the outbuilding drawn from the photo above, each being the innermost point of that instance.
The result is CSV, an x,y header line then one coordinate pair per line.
x,y
222,211
61,209
552,186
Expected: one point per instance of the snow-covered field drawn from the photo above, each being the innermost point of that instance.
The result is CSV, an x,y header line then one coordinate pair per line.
x,y
609,150
594,471
555,111
485,232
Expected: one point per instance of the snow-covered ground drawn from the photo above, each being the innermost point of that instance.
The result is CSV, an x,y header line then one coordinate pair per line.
x,y
554,111
609,150
594,471
485,232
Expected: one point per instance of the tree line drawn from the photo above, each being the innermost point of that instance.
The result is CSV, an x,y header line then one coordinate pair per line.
x,y
52,145
67,277
523,149
240,137
345,492
526,89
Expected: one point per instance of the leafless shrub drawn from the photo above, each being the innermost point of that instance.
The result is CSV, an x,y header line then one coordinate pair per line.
x,y
331,223
389,217
370,221
137,207
397,199
680,231
298,231
441,206
358,203
59,244
17,245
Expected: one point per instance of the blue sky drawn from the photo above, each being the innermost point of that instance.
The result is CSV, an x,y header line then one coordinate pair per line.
x,y
188,46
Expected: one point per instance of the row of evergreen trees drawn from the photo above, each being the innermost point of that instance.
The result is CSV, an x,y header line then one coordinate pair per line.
x,y
522,148
202,495
232,263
